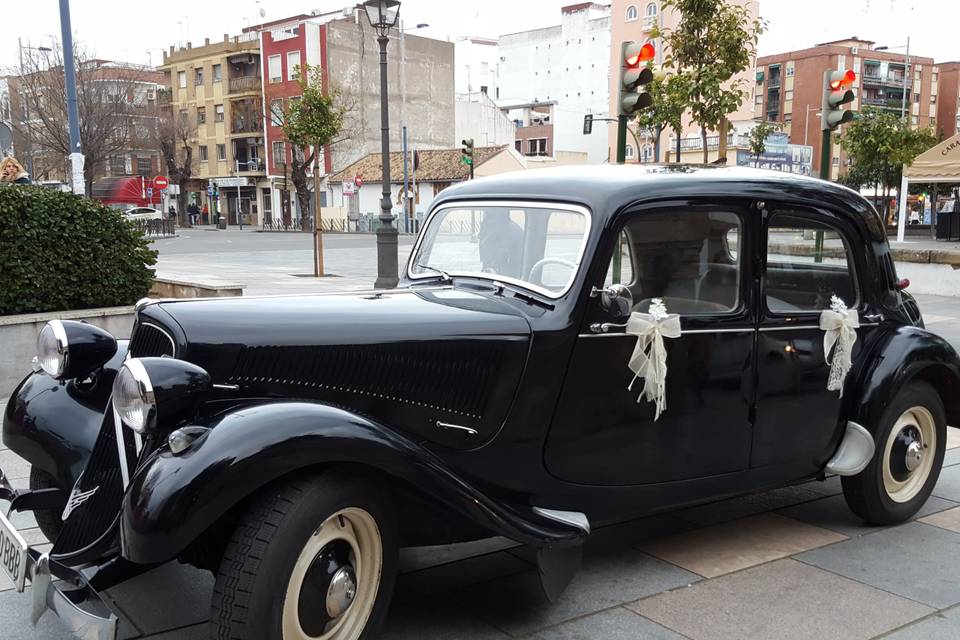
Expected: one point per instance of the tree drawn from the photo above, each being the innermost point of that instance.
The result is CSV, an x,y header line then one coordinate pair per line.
x,y
879,144
758,138
111,103
666,111
714,42
174,133
312,123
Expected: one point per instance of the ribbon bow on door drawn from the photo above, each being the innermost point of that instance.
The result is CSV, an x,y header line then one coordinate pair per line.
x,y
649,358
840,333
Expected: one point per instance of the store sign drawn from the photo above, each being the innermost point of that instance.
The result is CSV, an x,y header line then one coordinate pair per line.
x,y
231,182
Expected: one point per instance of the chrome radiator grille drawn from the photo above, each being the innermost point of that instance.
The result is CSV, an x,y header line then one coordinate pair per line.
x,y
149,340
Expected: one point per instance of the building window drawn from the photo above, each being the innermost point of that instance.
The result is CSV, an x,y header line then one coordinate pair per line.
x,y
790,71
293,63
915,119
758,99
276,112
144,167
201,115
182,79
183,115
519,145
628,151
279,157
221,152
198,77
483,89
118,165
217,73
273,65
203,153
218,113
632,13
537,147
788,95
651,10
933,99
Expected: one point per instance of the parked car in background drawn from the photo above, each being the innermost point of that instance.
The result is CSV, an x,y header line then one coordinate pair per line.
x,y
569,348
143,213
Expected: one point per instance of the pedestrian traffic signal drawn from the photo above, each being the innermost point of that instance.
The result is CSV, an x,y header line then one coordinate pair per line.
x,y
467,151
837,92
634,74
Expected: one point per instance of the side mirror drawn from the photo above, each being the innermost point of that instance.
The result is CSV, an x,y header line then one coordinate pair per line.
x,y
615,300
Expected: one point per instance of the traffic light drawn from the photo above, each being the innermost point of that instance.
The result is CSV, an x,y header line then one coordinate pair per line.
x,y
467,151
836,93
634,73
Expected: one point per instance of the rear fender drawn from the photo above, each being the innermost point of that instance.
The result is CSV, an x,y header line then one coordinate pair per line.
x,y
903,355
174,499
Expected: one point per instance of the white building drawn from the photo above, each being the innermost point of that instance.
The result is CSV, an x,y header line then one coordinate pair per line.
x,y
479,117
477,66
566,66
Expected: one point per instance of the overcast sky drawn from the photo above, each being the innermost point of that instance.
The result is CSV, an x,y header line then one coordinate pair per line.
x,y
139,31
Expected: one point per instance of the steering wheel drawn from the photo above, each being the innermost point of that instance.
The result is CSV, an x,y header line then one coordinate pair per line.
x,y
540,264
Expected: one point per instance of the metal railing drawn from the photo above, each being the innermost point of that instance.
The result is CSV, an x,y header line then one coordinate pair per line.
x,y
156,228
244,83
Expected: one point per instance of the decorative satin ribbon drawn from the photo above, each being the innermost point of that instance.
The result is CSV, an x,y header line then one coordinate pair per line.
x,y
840,334
649,359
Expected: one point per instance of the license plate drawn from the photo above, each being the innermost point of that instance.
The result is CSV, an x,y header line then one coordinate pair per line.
x,y
13,553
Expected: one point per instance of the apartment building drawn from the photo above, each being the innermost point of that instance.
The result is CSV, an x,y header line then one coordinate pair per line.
x,y
789,88
634,20
948,100
217,86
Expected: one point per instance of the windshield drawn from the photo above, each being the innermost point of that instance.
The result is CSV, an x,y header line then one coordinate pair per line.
x,y
536,245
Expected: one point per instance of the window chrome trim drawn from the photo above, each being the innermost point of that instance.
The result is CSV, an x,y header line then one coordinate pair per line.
x,y
621,334
525,204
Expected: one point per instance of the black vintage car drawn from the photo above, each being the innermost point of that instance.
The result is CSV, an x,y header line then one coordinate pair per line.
x,y
568,348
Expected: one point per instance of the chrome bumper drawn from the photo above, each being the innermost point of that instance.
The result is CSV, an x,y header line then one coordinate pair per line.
x,y
82,622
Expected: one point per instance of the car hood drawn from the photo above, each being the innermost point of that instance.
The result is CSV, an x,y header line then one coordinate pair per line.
x,y
413,357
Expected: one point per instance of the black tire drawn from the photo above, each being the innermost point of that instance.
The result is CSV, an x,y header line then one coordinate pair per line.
x,y
47,519
866,493
255,572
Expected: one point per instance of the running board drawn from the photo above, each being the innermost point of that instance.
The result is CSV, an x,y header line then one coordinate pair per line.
x,y
854,453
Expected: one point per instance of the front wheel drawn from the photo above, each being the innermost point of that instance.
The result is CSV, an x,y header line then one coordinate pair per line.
x,y
911,443
314,560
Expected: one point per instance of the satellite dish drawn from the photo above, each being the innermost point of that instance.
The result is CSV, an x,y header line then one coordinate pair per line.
x,y
262,12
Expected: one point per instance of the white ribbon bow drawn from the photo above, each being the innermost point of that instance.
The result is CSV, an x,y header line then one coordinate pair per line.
x,y
649,358
839,325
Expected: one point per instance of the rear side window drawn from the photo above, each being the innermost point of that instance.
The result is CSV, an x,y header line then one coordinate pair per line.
x,y
808,262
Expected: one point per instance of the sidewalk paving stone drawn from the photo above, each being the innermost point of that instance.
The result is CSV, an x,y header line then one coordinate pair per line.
x,y
915,560
613,624
948,486
615,577
715,550
949,519
943,625
834,514
786,600
14,467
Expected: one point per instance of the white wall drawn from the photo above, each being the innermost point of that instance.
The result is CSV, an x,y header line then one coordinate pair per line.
x,y
479,118
568,64
477,65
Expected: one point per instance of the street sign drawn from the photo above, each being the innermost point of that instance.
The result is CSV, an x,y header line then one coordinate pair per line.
x,y
349,188
358,180
210,190
161,182
230,182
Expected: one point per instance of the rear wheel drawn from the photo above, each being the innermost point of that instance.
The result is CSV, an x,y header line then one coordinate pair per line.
x,y
47,519
313,560
911,444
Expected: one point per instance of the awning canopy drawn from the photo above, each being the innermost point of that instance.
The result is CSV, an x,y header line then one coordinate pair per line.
x,y
938,164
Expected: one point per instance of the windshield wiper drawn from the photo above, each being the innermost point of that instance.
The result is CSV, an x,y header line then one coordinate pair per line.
x,y
444,276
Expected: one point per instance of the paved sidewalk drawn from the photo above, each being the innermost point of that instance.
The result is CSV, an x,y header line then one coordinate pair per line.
x,y
793,563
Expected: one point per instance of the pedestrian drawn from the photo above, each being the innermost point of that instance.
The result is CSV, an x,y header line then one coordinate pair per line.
x,y
194,213
206,214
13,171
172,212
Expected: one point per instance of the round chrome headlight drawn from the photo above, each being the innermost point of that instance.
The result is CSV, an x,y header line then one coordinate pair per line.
x,y
52,348
133,396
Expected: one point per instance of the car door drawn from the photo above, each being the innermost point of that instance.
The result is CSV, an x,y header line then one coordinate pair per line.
x,y
693,256
809,256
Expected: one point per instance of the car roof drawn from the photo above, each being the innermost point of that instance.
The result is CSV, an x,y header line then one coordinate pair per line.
x,y
605,189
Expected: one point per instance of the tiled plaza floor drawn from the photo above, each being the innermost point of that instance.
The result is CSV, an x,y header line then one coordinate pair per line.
x,y
793,563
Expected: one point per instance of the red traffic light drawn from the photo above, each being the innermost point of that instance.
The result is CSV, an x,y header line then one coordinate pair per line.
x,y
636,57
848,78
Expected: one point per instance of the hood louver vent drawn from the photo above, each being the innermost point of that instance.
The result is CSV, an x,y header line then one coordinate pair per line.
x,y
455,378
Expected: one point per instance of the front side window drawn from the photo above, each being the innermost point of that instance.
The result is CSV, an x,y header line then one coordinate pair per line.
x,y
807,263
687,258
536,245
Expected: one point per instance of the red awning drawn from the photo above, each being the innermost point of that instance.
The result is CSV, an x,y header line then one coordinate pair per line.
x,y
126,190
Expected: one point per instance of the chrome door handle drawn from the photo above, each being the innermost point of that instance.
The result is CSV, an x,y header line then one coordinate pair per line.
x,y
606,327
873,317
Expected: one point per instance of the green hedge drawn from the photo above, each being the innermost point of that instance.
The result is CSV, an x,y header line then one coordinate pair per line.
x,y
59,251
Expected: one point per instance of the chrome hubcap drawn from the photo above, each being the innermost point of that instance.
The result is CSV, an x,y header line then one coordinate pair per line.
x,y
342,591
914,455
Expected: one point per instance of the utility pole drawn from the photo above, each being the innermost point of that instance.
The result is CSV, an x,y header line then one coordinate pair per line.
x,y
906,83
73,117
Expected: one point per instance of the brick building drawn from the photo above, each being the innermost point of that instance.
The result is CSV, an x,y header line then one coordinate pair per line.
x,y
948,102
789,88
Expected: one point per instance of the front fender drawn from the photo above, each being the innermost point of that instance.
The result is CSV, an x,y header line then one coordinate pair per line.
x,y
902,355
53,424
173,499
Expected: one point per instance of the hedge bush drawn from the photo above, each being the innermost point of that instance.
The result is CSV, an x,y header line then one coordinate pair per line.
x,y
59,251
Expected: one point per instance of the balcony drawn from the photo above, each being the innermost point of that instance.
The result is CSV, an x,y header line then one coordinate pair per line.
x,y
884,103
245,116
244,84
884,81
252,167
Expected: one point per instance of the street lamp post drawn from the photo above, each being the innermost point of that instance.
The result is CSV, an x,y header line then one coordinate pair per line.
x,y
383,15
